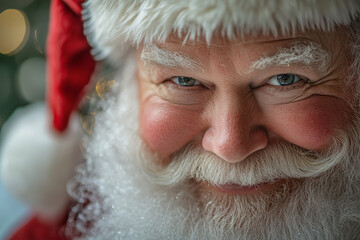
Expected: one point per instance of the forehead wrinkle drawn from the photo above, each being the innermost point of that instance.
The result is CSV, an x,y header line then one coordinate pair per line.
x,y
171,59
308,53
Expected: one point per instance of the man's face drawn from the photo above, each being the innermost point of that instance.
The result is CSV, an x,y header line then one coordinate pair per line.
x,y
236,98
248,139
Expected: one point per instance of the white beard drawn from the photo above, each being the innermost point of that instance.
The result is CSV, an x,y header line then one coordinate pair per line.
x,y
120,194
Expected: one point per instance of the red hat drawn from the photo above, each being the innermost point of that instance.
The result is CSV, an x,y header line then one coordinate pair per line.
x,y
70,64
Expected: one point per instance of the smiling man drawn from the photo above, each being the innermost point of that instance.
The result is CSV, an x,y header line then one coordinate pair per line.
x,y
230,120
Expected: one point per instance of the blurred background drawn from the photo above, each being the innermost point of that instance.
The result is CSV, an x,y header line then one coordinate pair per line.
x,y
23,30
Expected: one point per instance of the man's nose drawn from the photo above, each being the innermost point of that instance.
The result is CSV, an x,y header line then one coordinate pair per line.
x,y
234,131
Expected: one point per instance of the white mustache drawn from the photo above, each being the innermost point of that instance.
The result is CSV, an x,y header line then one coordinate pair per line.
x,y
279,160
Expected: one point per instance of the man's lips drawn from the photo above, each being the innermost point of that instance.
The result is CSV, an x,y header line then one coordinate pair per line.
x,y
239,189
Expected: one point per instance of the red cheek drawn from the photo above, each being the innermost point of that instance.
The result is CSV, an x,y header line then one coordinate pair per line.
x,y
310,123
167,129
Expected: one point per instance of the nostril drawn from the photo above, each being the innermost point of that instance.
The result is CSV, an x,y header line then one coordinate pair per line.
x,y
235,151
208,140
235,147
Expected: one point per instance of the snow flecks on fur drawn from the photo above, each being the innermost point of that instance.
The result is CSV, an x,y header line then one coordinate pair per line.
x,y
114,25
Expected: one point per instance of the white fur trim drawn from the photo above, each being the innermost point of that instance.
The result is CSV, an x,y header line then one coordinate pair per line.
x,y
36,162
112,23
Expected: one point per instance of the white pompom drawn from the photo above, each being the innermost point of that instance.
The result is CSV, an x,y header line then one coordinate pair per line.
x,y
36,162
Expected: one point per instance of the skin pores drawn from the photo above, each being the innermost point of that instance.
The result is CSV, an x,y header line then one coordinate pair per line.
x,y
233,109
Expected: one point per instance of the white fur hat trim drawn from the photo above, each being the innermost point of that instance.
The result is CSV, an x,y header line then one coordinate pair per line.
x,y
36,162
112,23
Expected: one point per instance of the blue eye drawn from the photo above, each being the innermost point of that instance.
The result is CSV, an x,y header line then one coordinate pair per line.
x,y
284,79
185,81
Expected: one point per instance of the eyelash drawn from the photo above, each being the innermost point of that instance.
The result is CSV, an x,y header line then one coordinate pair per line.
x,y
302,81
297,80
185,80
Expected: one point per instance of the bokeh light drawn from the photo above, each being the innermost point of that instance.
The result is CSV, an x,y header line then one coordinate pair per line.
x,y
23,30
23,34
14,31
31,79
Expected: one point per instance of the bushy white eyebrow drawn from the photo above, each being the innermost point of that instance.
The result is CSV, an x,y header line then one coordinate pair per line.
x,y
307,53
167,58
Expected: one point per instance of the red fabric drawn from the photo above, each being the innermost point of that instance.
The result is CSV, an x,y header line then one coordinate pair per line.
x,y
75,5
37,230
70,64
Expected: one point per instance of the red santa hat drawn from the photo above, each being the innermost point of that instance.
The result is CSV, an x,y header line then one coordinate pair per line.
x,y
110,27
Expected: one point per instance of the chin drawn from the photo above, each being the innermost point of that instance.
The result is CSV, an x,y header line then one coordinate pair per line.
x,y
121,193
